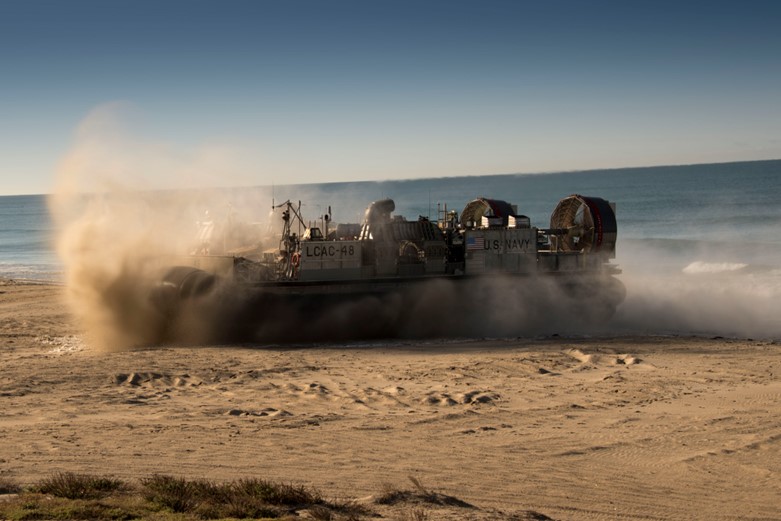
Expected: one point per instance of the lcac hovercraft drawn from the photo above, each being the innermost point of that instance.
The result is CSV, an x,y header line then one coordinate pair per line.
x,y
312,268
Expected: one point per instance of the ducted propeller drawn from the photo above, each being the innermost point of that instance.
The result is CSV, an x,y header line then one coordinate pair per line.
x,y
586,224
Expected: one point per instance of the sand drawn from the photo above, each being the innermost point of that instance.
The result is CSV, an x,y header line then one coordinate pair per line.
x,y
652,427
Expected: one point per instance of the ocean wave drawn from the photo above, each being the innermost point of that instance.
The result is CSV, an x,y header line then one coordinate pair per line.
x,y
43,272
700,267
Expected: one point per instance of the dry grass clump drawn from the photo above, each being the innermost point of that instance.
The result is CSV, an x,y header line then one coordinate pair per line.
x,y
245,498
175,494
420,502
77,486
414,514
8,486
67,496
339,511
420,494
36,506
277,493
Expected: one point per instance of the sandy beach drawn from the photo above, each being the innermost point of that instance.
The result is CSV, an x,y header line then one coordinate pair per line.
x,y
645,427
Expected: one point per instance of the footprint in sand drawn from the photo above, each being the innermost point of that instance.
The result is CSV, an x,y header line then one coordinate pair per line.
x,y
388,396
627,360
317,389
478,397
150,379
436,398
269,412
394,390
475,397
598,359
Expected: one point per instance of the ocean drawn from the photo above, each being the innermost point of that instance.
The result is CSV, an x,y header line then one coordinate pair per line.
x,y
678,227
27,236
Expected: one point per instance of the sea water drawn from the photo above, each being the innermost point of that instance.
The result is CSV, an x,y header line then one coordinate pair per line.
x,y
736,202
27,236
730,212
699,245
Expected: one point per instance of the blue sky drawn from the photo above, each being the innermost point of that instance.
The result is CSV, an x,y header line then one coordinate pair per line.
x,y
261,92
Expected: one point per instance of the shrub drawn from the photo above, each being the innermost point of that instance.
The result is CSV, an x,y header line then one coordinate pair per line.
x,y
244,507
32,506
277,493
416,514
247,498
9,487
224,502
176,494
90,511
77,486
320,513
391,496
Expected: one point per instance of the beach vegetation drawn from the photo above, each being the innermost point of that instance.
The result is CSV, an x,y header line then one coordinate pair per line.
x,y
391,495
415,514
77,486
68,496
8,486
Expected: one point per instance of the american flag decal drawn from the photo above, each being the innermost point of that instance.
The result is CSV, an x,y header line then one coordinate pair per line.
x,y
475,243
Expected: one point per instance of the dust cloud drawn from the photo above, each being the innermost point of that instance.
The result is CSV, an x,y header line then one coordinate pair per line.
x,y
690,288
120,233
126,210
125,207
487,307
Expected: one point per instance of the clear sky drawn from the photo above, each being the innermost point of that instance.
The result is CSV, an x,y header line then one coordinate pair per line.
x,y
262,91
